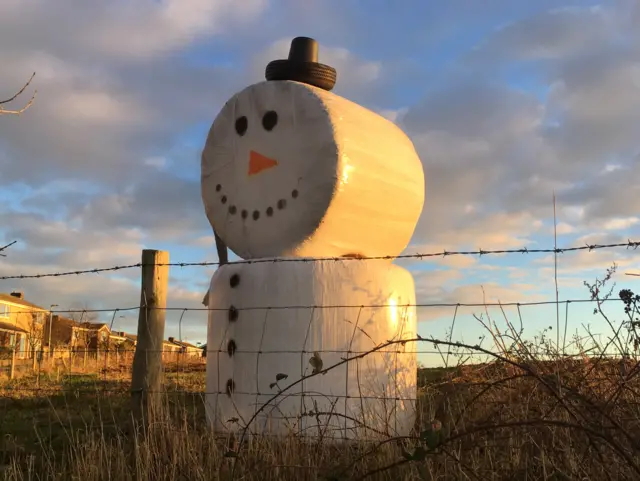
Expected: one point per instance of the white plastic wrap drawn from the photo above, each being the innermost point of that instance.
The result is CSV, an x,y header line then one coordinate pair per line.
x,y
330,178
270,337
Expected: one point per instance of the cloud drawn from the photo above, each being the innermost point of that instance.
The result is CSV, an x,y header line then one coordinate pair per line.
x,y
135,30
161,204
620,223
149,28
485,142
549,35
108,101
564,228
439,292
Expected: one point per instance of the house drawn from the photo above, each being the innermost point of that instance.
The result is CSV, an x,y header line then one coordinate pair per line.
x,y
98,334
118,338
21,324
170,350
187,348
11,336
76,335
131,340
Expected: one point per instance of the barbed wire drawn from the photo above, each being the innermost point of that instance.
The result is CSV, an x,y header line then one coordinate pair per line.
x,y
480,252
331,306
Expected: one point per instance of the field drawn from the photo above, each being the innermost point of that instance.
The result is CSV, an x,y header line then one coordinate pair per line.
x,y
505,420
527,411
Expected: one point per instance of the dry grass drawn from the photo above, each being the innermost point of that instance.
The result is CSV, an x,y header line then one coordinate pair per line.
x,y
498,422
531,413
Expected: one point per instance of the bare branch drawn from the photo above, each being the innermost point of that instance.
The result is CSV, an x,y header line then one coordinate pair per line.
x,y
4,111
5,247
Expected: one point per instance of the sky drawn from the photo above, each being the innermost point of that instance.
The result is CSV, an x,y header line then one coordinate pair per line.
x,y
507,102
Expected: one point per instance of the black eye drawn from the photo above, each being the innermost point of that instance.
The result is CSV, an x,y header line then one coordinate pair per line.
x,y
269,120
241,125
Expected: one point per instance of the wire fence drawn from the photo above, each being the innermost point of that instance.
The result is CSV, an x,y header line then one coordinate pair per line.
x,y
577,349
542,389
416,256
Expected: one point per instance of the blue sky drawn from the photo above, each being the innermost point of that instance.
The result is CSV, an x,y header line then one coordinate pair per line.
x,y
506,102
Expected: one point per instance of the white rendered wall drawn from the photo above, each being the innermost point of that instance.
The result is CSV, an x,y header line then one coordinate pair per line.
x,y
341,179
378,390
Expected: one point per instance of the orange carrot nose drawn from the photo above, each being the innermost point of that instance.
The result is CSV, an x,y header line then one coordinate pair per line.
x,y
258,163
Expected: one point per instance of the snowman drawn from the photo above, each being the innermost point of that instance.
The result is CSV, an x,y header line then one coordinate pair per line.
x,y
307,187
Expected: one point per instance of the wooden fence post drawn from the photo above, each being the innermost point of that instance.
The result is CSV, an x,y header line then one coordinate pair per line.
x,y
147,370
12,366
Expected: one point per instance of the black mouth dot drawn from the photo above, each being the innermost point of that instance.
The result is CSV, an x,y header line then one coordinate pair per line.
x,y
232,209
294,194
282,204
244,214
223,199
256,215
218,187
269,211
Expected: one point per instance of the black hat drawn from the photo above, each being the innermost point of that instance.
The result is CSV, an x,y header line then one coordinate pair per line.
x,y
302,66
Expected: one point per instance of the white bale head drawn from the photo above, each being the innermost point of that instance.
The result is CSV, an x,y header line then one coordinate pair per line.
x,y
258,344
289,169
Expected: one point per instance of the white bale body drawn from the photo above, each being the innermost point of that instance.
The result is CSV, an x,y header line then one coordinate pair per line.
x,y
322,176
269,337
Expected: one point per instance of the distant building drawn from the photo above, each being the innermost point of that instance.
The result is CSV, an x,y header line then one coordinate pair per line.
x,y
21,324
69,333
187,348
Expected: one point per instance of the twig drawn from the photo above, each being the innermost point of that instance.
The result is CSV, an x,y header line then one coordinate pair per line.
x,y
555,277
5,247
3,111
531,422
381,346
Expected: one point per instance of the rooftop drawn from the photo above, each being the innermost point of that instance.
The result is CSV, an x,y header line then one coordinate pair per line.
x,y
93,326
183,343
20,301
7,326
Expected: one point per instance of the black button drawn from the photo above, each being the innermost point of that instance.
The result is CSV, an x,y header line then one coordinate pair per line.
x,y
231,347
231,386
